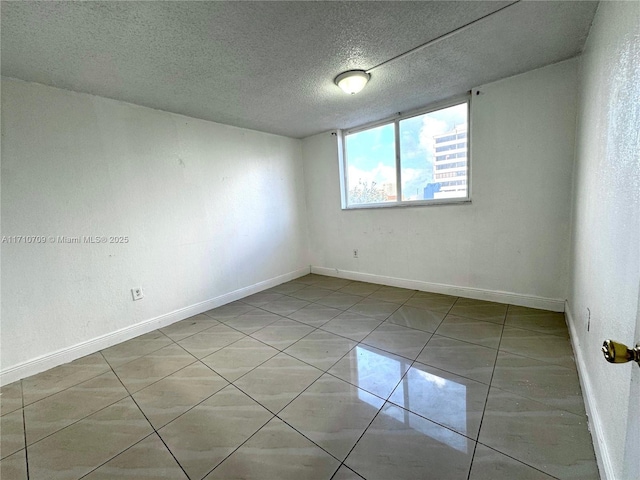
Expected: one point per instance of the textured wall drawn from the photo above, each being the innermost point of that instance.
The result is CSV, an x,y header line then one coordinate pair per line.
x,y
605,260
208,209
513,237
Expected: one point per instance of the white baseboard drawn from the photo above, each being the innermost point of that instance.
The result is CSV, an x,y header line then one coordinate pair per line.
x,y
68,354
595,423
552,304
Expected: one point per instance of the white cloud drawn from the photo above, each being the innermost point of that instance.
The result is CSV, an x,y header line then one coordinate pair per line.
x,y
381,174
431,127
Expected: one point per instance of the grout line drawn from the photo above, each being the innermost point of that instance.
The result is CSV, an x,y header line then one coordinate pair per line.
x,y
161,439
93,413
25,405
529,329
150,424
107,461
24,432
83,418
348,468
519,461
239,446
486,401
536,359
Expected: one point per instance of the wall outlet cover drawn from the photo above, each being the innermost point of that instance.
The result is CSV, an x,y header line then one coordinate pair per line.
x,y
137,293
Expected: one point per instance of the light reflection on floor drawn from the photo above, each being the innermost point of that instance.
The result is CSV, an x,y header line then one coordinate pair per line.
x,y
446,398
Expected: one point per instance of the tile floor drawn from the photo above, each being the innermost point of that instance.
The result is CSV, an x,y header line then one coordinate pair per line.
x,y
318,378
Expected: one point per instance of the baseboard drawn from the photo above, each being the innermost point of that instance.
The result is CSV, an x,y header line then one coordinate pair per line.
x,y
552,304
65,355
595,423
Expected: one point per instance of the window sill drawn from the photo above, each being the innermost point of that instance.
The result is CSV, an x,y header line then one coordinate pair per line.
x,y
430,203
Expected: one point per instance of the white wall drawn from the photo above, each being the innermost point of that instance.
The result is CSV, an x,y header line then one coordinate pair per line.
x,y
513,237
605,257
208,209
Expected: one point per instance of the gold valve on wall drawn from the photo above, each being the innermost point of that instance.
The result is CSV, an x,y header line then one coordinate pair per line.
x,y
616,352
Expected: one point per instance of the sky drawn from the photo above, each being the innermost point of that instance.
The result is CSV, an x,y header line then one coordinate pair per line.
x,y
371,153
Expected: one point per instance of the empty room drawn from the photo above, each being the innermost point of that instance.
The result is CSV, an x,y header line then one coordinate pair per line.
x,y
320,240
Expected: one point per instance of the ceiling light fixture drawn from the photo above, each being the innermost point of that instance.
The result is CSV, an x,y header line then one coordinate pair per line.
x,y
353,81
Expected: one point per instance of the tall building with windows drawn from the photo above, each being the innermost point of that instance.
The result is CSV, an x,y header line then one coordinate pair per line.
x,y
450,165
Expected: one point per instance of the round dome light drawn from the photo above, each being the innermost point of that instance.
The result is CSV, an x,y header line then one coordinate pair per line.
x,y
353,81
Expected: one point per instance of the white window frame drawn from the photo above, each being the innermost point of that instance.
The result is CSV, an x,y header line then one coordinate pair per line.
x,y
395,120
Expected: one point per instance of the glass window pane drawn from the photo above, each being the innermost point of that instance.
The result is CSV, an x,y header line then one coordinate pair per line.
x,y
429,144
371,166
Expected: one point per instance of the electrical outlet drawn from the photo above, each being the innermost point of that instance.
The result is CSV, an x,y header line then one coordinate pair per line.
x,y
355,253
137,293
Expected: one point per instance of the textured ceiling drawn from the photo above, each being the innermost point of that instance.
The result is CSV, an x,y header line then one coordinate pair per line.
x,y
270,66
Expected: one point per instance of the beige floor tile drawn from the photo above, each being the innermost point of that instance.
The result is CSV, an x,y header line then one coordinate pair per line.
x,y
53,413
469,330
205,435
543,321
278,381
332,283
239,358
11,433
371,307
311,293
165,400
149,369
146,460
10,397
190,326
360,288
447,399
339,300
64,376
540,346
80,448
392,294
309,279
373,370
321,349
136,348
315,315
462,358
400,444
552,440
211,340
333,414
432,301
403,341
345,473
480,310
230,310
14,467
351,325
262,298
286,288
252,321
491,465
282,333
416,318
277,452
518,311
285,306
551,384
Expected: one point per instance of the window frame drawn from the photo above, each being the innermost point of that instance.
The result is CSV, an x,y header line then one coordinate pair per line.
x,y
395,120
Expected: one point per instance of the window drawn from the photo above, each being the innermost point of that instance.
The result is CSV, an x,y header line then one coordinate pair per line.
x,y
403,161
